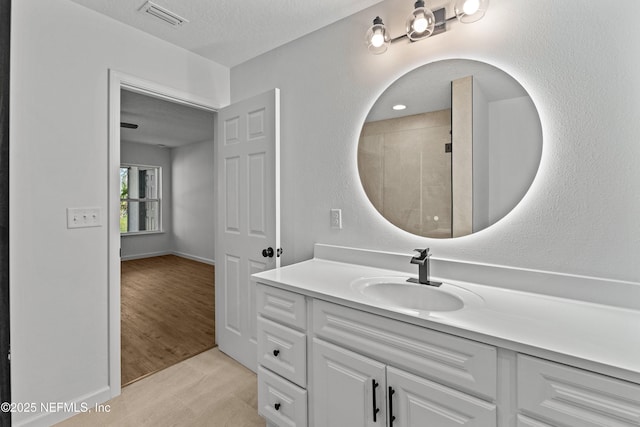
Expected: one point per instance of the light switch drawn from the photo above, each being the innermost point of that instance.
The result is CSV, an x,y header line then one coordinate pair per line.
x,y
83,217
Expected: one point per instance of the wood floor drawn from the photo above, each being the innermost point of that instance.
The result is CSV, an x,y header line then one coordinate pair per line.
x,y
167,305
208,390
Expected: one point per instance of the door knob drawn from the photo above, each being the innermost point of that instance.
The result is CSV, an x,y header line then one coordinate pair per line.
x,y
268,253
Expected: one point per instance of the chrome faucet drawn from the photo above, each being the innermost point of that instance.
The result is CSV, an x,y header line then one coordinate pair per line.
x,y
423,268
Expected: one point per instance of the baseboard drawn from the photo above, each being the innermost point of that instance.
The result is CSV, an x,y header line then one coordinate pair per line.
x,y
74,407
176,253
194,257
146,255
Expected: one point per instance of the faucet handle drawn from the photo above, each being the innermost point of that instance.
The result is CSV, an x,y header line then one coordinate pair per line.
x,y
422,258
423,253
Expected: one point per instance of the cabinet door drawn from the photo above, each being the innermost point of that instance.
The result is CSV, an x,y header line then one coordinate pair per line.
x,y
418,402
343,392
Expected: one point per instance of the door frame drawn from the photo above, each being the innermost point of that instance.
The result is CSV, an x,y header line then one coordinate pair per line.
x,y
5,343
117,81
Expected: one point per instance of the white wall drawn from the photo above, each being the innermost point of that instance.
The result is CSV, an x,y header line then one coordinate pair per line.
x,y
580,215
145,245
60,56
193,201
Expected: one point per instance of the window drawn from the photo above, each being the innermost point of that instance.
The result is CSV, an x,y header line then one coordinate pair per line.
x,y
140,197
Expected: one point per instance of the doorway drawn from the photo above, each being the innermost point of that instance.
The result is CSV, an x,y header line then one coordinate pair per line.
x,y
145,232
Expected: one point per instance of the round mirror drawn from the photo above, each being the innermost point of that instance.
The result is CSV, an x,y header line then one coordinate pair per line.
x,y
449,148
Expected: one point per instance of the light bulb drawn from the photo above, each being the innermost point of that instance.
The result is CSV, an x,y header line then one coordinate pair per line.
x,y
420,24
468,11
470,7
377,39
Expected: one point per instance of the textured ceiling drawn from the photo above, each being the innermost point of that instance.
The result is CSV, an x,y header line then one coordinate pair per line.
x,y
230,32
162,122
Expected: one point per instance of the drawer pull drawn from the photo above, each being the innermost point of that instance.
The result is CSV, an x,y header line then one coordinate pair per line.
x,y
277,406
392,418
276,353
375,405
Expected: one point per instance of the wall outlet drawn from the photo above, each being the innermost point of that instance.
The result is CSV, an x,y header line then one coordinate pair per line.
x,y
336,218
83,217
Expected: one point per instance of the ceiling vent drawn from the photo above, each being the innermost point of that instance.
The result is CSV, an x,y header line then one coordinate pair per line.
x,y
163,14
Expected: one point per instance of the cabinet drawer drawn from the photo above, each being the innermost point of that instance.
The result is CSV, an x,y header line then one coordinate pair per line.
x,y
281,402
282,350
454,361
283,306
574,397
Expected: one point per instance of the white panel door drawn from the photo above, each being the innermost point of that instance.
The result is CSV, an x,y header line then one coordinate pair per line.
x,y
247,161
348,388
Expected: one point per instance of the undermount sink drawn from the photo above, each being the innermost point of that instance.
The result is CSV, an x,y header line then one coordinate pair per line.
x,y
413,296
398,293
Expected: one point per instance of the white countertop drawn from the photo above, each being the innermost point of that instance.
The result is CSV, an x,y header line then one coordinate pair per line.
x,y
599,337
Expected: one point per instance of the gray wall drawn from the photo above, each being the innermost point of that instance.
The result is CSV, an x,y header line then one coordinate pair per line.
x,y
580,215
193,201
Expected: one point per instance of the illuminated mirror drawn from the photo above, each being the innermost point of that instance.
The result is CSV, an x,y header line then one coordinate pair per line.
x,y
460,155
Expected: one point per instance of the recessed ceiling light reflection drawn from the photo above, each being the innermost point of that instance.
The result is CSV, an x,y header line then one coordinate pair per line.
x,y
399,107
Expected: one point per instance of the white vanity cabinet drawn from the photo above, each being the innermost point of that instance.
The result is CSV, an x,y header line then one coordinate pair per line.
x,y
323,364
362,377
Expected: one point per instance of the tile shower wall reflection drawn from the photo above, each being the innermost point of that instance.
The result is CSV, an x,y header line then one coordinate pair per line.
x,y
406,172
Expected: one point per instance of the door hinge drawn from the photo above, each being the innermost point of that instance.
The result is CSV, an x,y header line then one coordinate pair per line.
x,y
448,147
9,354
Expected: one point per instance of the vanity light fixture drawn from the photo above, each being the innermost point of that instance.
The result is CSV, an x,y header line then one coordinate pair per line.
x,y
424,22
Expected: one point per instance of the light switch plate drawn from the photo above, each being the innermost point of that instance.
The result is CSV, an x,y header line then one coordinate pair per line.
x,y
83,217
